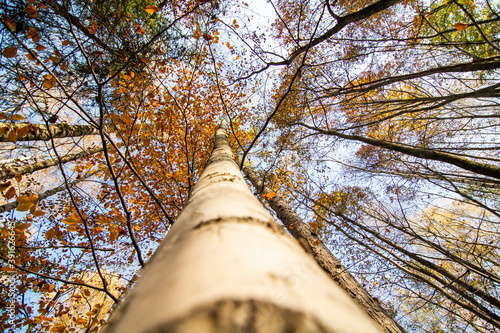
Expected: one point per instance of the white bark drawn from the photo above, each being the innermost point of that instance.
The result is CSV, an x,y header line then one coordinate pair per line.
x,y
227,266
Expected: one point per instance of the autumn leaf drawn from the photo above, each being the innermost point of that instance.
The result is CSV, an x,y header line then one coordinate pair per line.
x,y
9,22
313,225
23,199
12,136
49,81
11,192
4,186
10,52
270,195
18,178
22,207
40,47
151,9
38,213
65,42
17,117
461,26
31,11
292,226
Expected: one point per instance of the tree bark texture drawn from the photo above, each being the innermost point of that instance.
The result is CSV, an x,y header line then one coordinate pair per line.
x,y
34,132
227,266
337,272
7,172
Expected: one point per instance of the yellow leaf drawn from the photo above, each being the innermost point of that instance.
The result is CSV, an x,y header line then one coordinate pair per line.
x,y
22,207
17,117
10,52
461,26
49,81
151,9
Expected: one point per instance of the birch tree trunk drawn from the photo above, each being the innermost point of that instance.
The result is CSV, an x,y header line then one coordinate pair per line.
x,y
7,172
325,258
13,205
227,266
34,132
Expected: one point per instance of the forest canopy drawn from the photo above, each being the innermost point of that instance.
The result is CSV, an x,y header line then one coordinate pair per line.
x,y
376,121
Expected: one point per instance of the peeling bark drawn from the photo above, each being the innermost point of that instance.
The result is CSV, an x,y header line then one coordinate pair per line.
x,y
7,172
227,266
325,258
34,132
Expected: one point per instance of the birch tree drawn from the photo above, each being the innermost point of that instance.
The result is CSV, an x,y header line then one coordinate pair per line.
x,y
227,266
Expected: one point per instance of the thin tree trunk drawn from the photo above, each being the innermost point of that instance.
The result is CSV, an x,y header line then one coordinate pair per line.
x,y
7,172
13,205
429,154
325,258
227,266
34,132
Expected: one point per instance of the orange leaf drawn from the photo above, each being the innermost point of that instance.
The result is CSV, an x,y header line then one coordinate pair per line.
x,y
31,11
461,26
65,42
151,9
292,226
18,178
40,47
271,195
10,52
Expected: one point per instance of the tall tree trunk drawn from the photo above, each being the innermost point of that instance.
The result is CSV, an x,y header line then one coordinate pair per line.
x,y
7,172
227,266
325,258
34,132
13,205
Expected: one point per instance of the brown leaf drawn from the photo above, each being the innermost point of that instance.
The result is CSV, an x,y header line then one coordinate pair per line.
x,y
4,186
25,206
9,22
10,52
313,225
18,178
65,42
17,117
31,11
12,136
461,26
11,192
21,132
37,213
40,47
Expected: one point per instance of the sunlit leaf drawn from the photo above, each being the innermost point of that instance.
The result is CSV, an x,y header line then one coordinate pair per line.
x,y
151,9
